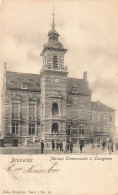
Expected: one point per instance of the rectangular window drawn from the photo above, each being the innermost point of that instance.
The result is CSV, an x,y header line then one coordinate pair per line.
x,y
110,118
24,85
31,128
15,110
105,117
81,130
68,129
32,110
15,128
75,90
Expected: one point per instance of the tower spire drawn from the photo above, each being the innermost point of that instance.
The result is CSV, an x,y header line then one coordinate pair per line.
x,y
53,24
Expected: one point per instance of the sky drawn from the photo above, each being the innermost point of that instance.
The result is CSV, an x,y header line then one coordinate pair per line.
x,y
87,28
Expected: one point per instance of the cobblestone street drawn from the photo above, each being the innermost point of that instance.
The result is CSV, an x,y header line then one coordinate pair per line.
x,y
35,150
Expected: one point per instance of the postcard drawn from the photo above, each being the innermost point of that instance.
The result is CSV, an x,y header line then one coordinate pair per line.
x,y
59,97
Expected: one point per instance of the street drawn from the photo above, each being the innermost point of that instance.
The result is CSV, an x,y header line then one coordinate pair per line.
x,y
47,150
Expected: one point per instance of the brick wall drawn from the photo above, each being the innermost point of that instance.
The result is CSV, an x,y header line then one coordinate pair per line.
x,y
23,99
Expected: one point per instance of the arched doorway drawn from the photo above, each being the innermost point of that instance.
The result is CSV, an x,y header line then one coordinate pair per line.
x,y
55,109
55,128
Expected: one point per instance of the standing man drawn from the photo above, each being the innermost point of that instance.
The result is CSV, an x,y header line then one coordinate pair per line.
x,y
53,145
103,145
110,147
81,146
61,146
71,147
42,146
92,145
57,144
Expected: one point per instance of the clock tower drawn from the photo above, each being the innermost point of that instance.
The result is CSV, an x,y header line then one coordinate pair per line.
x,y
53,78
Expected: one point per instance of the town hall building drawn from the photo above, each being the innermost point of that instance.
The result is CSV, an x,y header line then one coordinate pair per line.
x,y
52,106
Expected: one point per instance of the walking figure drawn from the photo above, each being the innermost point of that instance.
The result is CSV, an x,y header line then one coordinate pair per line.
x,y
66,147
53,145
103,145
92,145
81,146
110,147
71,147
42,146
61,146
57,145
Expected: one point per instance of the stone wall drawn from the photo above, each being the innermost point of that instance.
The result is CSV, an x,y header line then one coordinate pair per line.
x,y
23,98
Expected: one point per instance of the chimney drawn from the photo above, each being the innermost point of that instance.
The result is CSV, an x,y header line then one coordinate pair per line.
x,y
85,76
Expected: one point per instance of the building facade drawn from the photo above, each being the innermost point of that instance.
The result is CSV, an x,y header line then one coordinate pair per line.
x,y
52,106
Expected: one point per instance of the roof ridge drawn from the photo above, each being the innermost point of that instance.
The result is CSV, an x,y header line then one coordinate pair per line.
x,y
74,78
23,73
102,104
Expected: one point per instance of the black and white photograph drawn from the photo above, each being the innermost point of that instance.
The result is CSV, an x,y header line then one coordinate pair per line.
x,y
57,96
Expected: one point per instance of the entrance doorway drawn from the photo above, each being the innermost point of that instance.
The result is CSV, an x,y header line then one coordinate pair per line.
x,y
55,128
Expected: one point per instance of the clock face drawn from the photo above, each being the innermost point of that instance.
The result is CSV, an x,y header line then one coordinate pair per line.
x,y
56,81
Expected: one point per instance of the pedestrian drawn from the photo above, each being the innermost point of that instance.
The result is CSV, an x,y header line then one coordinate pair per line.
x,y
116,146
53,145
61,146
71,147
66,147
38,144
103,145
42,146
81,146
92,145
57,144
110,147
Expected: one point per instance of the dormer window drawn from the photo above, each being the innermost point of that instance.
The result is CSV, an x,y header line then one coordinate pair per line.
x,y
55,61
75,89
24,85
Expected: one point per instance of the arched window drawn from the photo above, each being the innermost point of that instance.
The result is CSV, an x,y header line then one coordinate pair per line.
x,y
55,128
55,61
55,109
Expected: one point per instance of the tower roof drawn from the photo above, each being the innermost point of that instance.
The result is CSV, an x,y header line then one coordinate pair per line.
x,y
53,32
53,42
